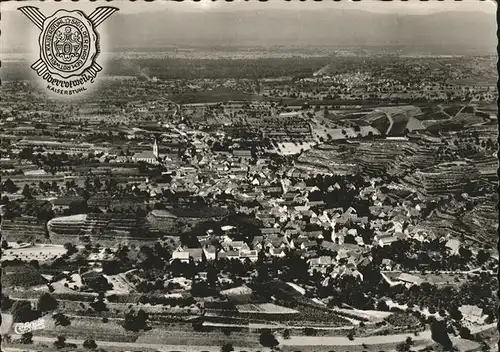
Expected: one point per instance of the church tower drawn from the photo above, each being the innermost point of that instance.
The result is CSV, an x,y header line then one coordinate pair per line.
x,y
156,151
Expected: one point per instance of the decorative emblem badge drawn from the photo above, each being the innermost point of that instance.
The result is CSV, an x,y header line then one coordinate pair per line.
x,y
69,47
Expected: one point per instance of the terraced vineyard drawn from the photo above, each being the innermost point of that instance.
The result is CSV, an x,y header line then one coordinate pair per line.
x,y
333,159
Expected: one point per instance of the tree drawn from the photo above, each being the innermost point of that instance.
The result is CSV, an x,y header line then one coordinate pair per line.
x,y
47,303
227,347
61,319
267,339
12,210
382,306
45,212
6,303
201,289
455,313
483,256
310,332
27,192
97,184
22,312
89,344
489,319
99,306
10,187
70,247
27,338
197,326
135,322
78,207
485,347
60,342
440,335
286,334
99,284
402,347
111,267
35,264
465,333
26,153
5,245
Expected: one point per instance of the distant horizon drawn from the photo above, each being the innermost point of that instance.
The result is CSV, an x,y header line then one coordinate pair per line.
x,y
273,24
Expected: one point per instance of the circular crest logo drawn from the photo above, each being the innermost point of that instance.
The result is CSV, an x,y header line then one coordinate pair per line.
x,y
69,46
68,43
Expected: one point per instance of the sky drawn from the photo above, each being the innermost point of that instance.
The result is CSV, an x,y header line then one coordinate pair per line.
x,y
14,26
408,7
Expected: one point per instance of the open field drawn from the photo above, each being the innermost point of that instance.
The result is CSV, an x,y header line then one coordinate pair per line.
x,y
7,321
48,347
213,338
143,347
178,333
371,315
87,328
357,348
295,343
213,97
344,341
40,252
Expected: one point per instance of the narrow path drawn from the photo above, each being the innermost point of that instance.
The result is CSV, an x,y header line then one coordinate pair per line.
x,y
389,117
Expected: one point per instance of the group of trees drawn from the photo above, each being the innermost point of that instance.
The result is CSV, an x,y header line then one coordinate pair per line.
x,y
9,186
60,342
47,303
227,347
267,339
136,321
405,346
40,209
53,162
220,68
22,311
434,255
464,148
478,290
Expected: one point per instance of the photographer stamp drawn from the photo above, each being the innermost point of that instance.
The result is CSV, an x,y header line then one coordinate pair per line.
x,y
69,47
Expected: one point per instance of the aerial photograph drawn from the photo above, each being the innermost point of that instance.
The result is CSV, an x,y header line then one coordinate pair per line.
x,y
249,176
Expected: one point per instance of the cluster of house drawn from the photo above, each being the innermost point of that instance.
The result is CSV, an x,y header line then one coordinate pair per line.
x,y
226,249
328,239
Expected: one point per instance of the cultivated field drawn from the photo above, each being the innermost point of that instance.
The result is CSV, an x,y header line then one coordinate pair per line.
x,y
40,252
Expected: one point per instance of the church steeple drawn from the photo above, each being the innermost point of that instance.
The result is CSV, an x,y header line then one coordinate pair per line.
x,y
156,151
